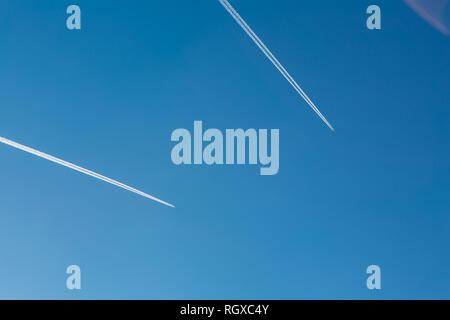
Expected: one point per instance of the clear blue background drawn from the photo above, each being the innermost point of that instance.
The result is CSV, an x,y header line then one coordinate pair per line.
x,y
109,96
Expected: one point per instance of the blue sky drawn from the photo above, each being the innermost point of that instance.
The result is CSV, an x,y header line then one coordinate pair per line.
x,y
109,96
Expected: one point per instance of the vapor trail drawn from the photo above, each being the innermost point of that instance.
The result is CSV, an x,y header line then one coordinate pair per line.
x,y
272,58
79,169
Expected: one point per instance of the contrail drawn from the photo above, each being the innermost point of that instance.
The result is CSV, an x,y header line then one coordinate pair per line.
x,y
79,169
272,58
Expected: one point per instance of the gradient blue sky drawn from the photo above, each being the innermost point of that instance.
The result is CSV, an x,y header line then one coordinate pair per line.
x,y
109,96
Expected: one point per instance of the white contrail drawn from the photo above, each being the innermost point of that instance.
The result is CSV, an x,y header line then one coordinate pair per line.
x,y
79,169
272,58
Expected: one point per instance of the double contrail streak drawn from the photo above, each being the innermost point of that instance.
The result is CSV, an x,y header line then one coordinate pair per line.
x,y
79,169
272,58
